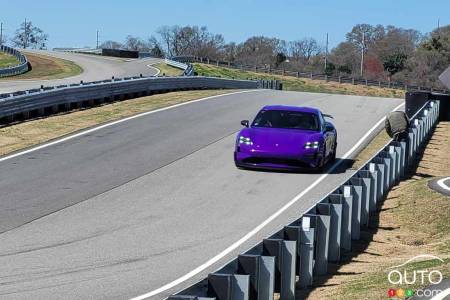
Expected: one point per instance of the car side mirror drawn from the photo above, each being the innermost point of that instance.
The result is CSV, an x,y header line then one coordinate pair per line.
x,y
328,127
244,123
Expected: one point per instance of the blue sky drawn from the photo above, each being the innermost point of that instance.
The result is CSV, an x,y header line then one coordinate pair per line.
x,y
74,23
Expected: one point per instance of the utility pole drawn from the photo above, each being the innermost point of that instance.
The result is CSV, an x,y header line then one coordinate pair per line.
x,y
439,29
326,53
1,33
363,48
97,40
25,44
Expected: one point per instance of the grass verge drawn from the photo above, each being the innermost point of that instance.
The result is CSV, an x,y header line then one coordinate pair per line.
x,y
7,60
413,220
27,134
301,84
47,67
371,149
167,70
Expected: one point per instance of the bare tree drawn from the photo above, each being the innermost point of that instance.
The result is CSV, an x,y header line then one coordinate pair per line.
x,y
28,35
111,45
135,43
155,47
229,52
259,50
303,50
190,40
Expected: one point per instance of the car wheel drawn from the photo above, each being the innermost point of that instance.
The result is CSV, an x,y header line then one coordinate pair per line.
x,y
321,166
333,155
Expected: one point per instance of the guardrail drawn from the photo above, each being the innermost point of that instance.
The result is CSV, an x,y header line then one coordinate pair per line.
x,y
188,69
322,233
93,51
48,100
22,67
339,79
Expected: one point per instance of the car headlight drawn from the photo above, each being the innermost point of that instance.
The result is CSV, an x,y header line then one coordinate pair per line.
x,y
312,145
245,140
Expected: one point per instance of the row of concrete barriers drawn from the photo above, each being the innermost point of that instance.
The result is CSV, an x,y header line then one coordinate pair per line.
x,y
20,68
304,248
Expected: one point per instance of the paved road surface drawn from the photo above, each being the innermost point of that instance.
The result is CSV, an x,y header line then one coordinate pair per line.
x,y
126,209
94,68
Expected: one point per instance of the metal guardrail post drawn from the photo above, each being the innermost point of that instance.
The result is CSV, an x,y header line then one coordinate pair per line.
x,y
389,163
369,171
335,201
285,253
261,270
304,235
228,286
398,156
421,131
392,153
411,146
381,169
321,225
400,148
364,183
347,214
356,194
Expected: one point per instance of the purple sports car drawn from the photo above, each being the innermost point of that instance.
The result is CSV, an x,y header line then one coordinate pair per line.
x,y
286,137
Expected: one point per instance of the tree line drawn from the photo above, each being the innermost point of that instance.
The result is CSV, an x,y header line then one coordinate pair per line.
x,y
372,51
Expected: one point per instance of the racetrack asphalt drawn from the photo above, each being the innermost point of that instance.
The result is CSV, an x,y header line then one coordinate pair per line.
x,y
124,210
95,68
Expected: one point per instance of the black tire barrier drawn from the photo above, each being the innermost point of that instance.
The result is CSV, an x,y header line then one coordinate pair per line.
x,y
396,123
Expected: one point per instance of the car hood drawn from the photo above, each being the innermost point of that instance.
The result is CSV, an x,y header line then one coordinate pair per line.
x,y
282,141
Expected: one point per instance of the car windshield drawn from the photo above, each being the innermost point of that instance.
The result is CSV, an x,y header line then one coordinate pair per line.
x,y
286,119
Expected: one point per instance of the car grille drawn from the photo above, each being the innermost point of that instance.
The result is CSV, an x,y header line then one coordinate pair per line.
x,y
275,161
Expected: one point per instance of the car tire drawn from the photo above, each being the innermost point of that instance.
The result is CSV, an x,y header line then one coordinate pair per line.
x,y
322,164
333,156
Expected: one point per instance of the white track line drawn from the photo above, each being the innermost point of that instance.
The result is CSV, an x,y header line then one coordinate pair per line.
x,y
263,224
117,122
442,295
152,67
441,183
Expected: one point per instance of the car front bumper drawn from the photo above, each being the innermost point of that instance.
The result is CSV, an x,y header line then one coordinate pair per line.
x,y
278,162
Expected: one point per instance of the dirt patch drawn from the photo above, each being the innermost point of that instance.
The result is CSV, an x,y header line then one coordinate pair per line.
x,y
413,220
47,67
27,134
